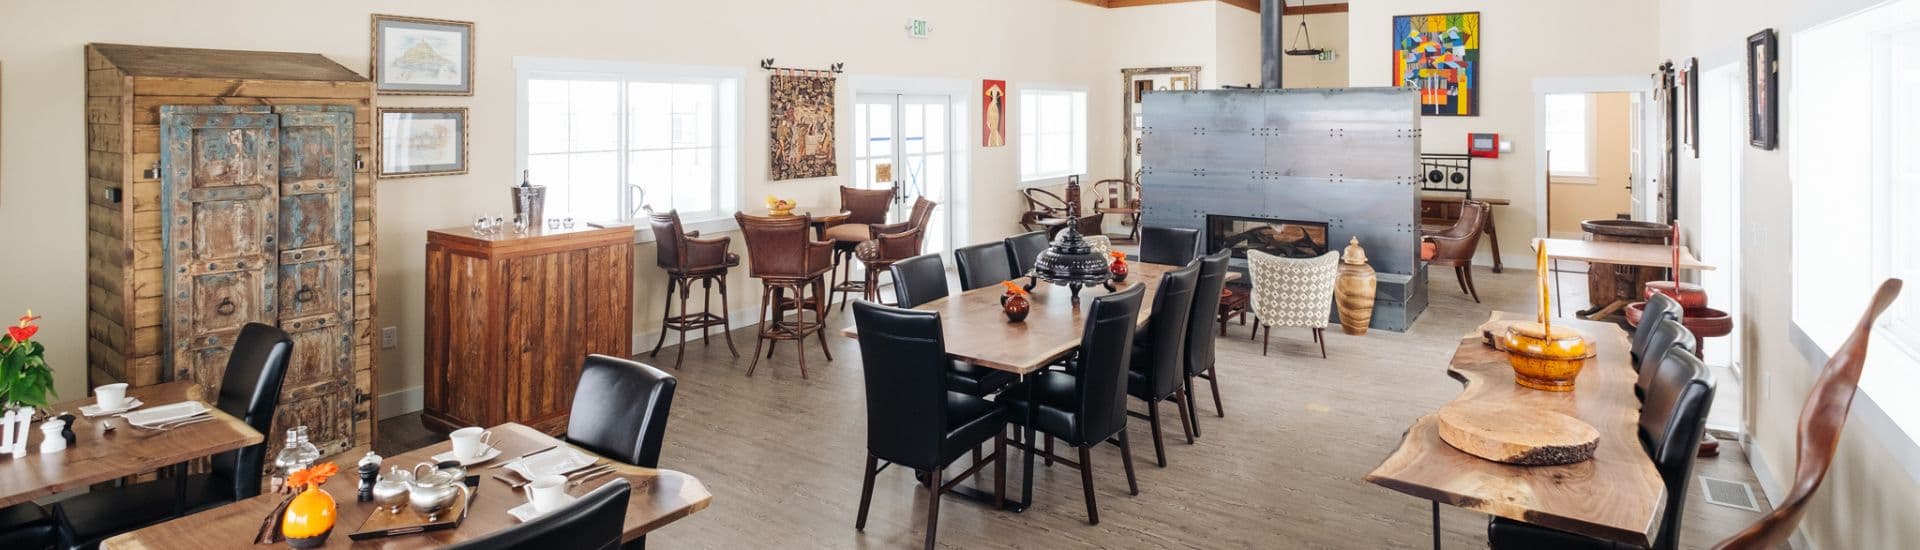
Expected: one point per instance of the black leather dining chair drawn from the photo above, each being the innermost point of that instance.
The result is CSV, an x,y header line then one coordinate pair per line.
x,y
620,410
1157,371
1672,421
1169,245
919,280
982,265
1200,336
249,391
912,419
27,526
595,521
1667,336
1088,407
1023,250
923,279
1659,306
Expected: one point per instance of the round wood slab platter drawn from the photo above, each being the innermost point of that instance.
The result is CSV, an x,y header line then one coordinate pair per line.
x,y
1517,435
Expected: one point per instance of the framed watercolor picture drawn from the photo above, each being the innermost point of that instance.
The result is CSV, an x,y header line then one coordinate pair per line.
x,y
1439,54
419,56
1763,90
993,113
428,141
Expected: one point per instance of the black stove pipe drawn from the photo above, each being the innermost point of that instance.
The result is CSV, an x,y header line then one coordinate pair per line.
x,y
1271,50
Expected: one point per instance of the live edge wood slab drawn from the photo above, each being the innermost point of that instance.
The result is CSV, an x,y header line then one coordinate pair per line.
x,y
106,447
659,497
1616,496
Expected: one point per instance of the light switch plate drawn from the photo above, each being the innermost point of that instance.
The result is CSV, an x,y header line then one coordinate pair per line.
x,y
389,337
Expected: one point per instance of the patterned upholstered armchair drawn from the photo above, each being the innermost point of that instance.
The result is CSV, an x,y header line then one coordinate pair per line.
x,y
1292,292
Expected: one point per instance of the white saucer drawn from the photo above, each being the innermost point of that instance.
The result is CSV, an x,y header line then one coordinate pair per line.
x,y
490,454
526,512
94,410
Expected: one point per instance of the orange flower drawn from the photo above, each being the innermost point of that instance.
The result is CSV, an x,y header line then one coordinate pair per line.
x,y
1118,256
25,330
313,476
1013,288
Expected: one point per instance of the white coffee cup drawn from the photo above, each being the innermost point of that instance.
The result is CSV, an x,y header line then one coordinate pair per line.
x,y
549,492
471,442
111,396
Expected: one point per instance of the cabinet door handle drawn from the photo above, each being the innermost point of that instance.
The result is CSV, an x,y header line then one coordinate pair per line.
x,y
226,307
305,294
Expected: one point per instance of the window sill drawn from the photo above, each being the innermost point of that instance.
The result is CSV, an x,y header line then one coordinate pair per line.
x,y
1572,179
1045,181
1898,440
643,234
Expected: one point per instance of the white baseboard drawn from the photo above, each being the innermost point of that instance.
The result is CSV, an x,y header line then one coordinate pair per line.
x,y
403,401
1774,493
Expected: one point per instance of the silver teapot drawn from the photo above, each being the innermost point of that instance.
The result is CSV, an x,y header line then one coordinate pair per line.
x,y
432,492
392,490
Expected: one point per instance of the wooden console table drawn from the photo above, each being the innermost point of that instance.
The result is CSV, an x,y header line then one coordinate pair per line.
x,y
511,317
1442,211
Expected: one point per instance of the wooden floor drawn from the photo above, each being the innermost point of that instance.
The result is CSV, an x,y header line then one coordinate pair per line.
x,y
1283,469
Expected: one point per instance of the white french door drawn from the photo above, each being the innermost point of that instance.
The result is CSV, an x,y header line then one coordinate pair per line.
x,y
905,142
1722,137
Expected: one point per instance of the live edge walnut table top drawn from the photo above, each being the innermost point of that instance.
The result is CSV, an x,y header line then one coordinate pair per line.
x,y
100,454
1616,496
659,497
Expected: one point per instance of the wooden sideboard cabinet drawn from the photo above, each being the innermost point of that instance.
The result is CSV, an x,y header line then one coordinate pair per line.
x,y
510,318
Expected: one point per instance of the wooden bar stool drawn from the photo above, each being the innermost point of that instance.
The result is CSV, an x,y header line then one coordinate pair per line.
x,y
892,243
865,209
785,258
687,258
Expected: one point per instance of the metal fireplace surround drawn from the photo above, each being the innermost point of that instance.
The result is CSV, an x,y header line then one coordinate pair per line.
x,y
1348,157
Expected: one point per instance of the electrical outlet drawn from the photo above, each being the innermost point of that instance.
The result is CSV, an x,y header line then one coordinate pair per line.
x,y
389,337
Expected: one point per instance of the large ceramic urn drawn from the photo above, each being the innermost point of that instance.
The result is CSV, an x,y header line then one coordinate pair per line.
x,y
1354,289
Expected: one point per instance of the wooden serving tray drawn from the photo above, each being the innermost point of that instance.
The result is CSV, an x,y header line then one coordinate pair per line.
x,y
406,522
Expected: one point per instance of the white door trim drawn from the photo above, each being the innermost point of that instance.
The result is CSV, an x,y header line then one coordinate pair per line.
x,y
1642,85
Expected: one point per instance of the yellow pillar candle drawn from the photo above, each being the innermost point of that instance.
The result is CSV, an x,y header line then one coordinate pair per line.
x,y
1540,273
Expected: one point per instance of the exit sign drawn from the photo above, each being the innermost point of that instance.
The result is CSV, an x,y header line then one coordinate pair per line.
x,y
918,28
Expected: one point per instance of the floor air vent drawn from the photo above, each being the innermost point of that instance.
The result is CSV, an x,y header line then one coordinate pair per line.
x,y
1728,493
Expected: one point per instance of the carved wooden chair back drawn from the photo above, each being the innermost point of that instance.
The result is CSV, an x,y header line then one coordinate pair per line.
x,y
1820,422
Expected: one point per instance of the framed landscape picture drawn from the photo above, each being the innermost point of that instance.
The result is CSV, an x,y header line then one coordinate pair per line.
x,y
412,55
1763,90
423,141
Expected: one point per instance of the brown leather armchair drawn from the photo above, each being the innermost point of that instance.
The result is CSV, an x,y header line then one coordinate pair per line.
x,y
784,257
687,258
1455,246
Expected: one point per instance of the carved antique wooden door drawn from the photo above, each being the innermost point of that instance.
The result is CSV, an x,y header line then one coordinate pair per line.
x,y
316,274
220,189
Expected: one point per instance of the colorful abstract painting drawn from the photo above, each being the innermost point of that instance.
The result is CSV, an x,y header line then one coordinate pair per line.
x,y
993,113
801,121
1440,55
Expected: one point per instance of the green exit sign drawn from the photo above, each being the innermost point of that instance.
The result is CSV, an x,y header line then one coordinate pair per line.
x,y
918,28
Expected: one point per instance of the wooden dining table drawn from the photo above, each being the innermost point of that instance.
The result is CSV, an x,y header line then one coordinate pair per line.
x,y
106,448
978,332
660,497
1617,495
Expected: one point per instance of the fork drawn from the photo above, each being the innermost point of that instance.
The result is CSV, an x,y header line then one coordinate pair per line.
x,y
164,426
568,474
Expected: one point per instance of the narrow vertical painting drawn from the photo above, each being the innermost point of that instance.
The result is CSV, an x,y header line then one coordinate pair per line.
x,y
1440,55
993,113
801,122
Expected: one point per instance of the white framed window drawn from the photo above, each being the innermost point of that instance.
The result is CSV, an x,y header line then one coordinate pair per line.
x,y
1850,142
1053,133
607,138
1570,137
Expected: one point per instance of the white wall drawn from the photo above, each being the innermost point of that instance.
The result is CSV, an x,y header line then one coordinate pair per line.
x,y
1521,40
1025,42
1870,496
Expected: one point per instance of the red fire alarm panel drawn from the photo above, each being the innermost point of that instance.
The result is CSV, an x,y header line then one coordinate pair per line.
x,y
1483,145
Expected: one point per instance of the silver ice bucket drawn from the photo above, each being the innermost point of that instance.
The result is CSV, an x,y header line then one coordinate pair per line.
x,y
530,201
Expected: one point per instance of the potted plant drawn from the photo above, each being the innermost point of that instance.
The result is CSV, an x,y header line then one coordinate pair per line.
x,y
25,379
